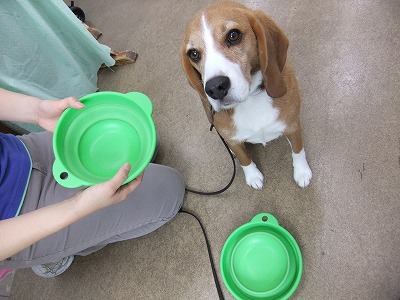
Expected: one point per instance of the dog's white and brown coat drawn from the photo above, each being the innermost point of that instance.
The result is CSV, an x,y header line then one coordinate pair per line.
x,y
235,58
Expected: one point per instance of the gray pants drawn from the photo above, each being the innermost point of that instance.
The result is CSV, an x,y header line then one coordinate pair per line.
x,y
156,201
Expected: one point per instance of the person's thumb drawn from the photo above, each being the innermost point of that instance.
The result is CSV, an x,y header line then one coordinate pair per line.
x,y
121,175
74,103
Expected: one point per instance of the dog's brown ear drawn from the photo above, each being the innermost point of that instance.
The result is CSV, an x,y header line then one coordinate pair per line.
x,y
195,81
272,51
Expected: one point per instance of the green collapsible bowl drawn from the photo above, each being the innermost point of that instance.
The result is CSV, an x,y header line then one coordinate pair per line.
x,y
91,144
261,260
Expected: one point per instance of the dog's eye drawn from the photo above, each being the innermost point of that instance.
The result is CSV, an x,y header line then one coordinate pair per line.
x,y
233,37
194,55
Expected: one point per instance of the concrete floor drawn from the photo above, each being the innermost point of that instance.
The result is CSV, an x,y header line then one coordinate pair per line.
x,y
347,60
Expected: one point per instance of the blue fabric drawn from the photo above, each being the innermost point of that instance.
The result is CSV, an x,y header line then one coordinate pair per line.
x,y
15,170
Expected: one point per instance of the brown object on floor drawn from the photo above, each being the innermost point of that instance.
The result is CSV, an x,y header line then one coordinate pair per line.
x,y
94,31
122,58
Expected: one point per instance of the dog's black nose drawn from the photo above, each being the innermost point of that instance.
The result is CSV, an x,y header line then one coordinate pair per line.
x,y
217,87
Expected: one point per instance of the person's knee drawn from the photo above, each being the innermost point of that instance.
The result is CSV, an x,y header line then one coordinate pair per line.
x,y
177,185
172,186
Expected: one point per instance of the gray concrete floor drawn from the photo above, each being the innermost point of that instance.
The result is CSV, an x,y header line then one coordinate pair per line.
x,y
347,60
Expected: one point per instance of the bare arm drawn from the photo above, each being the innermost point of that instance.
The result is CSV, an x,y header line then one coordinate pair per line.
x,y
22,108
17,107
20,232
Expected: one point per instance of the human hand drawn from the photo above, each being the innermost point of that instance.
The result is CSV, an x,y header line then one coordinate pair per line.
x,y
49,111
109,192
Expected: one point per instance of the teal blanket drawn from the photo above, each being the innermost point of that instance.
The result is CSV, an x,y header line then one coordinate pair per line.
x,y
45,51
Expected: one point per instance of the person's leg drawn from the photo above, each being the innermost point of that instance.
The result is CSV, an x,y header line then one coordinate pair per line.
x,y
156,201
152,204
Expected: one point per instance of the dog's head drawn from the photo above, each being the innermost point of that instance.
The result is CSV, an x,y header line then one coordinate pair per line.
x,y
229,51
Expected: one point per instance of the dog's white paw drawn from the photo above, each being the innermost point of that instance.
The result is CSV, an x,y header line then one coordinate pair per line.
x,y
254,177
301,170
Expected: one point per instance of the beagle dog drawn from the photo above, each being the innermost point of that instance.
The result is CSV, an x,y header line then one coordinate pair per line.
x,y
235,58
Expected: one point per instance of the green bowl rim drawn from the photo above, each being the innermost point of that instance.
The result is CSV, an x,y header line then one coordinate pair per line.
x,y
83,182
285,233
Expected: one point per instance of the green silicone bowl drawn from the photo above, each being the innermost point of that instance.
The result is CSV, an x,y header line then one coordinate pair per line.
x,y
92,143
261,260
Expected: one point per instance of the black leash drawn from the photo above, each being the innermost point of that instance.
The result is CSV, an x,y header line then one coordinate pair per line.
x,y
233,175
214,271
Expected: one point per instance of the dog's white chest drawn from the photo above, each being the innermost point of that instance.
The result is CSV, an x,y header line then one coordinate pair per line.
x,y
256,120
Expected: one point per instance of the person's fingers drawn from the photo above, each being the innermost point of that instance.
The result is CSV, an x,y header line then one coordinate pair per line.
x,y
130,186
113,185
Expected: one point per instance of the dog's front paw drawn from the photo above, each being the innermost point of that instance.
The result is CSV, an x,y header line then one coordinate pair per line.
x,y
301,171
302,176
254,177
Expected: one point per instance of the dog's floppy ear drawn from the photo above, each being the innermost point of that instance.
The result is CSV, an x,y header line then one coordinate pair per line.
x,y
272,51
195,81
